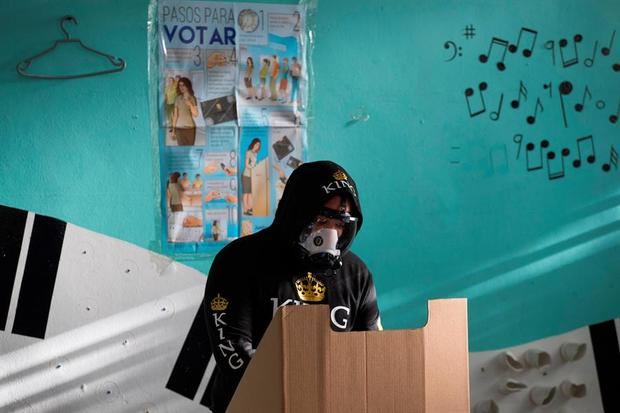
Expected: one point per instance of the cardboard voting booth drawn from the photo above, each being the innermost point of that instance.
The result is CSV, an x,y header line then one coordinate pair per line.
x,y
302,366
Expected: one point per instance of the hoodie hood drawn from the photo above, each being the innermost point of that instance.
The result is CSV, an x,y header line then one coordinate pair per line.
x,y
306,191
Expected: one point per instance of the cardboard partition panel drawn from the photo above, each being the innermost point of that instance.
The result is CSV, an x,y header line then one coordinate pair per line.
x,y
302,366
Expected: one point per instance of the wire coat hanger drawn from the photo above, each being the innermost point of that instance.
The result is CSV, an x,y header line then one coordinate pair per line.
x,y
23,66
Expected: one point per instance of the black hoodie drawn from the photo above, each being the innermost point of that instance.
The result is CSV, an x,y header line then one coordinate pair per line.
x,y
254,275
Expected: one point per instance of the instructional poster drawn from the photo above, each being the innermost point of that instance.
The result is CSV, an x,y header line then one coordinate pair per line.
x,y
232,93
271,65
197,68
201,193
269,156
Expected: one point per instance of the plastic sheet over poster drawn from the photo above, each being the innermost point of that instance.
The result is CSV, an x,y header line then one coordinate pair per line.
x,y
231,82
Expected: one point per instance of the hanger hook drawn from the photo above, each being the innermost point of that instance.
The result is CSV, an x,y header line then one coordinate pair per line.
x,y
62,24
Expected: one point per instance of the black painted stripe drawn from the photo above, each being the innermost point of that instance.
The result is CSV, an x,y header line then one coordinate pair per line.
x,y
607,358
35,294
191,364
12,225
206,397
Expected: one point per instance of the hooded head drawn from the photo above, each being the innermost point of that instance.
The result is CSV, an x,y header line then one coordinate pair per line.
x,y
307,190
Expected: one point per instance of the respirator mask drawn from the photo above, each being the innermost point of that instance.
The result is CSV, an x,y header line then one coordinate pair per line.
x,y
326,238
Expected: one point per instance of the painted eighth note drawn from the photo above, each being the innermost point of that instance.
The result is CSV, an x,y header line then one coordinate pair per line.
x,y
522,93
525,33
553,171
606,50
500,43
586,93
530,148
613,118
613,160
532,118
574,59
588,142
469,92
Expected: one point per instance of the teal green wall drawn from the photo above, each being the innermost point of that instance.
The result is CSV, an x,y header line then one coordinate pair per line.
x,y
535,257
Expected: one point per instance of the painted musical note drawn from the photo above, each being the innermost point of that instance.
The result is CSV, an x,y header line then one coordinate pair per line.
x,y
550,87
455,161
591,158
495,114
550,158
500,43
457,50
530,147
605,51
527,52
614,118
518,139
469,31
579,106
616,67
589,62
498,158
550,45
575,59
469,92
522,92
532,118
613,160
565,88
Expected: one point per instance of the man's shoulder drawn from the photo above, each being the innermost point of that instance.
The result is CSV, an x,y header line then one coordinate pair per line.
x,y
352,263
352,258
244,248
237,260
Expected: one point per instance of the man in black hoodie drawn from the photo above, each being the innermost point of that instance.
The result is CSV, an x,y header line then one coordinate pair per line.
x,y
302,258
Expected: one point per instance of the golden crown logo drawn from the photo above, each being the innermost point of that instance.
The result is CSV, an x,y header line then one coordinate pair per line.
x,y
310,289
219,303
340,176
